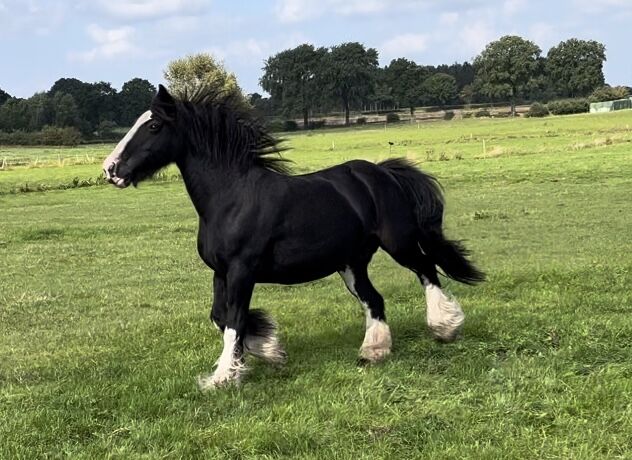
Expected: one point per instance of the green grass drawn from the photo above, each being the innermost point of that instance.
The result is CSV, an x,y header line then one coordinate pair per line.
x,y
104,315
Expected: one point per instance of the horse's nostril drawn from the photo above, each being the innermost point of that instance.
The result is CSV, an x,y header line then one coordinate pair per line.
x,y
111,169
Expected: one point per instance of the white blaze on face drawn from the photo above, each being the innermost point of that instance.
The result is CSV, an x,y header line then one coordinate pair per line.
x,y
113,158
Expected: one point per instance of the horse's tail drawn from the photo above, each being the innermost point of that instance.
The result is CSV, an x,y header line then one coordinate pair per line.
x,y
426,196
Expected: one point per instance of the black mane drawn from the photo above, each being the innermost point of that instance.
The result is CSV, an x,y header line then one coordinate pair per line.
x,y
223,128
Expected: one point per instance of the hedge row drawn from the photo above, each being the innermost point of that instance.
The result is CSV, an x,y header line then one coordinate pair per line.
x,y
561,107
50,135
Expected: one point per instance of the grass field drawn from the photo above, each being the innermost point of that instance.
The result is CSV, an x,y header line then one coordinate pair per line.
x,y
104,313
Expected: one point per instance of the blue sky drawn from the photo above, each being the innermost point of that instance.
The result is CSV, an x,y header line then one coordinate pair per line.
x,y
116,40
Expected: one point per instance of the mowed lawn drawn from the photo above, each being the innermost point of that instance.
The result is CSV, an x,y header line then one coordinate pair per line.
x,y
104,313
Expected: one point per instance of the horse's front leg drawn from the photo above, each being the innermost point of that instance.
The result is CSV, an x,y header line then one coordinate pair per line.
x,y
237,288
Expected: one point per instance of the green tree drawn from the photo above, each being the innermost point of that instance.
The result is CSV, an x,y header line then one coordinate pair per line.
x,y
382,95
507,67
196,71
40,111
439,89
4,96
350,71
575,67
134,99
95,102
14,115
462,73
65,109
294,78
405,79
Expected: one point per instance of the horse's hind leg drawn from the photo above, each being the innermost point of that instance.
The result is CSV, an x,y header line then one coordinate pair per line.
x,y
377,339
444,315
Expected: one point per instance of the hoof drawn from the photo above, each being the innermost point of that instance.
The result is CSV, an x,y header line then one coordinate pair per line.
x,y
210,382
370,355
444,333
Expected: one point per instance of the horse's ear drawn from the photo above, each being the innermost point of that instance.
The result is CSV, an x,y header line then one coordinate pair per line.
x,y
163,104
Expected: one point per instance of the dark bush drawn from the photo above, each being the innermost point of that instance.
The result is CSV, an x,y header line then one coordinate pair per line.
x,y
290,125
609,93
275,125
448,115
361,121
465,114
568,106
481,113
537,110
50,135
392,117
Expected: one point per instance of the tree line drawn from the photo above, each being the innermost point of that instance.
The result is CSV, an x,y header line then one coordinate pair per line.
x,y
308,80
88,109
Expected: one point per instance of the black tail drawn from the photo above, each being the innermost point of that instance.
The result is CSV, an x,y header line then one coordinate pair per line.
x,y
426,196
451,256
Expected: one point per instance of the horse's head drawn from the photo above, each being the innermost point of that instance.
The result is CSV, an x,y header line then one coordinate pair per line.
x,y
147,147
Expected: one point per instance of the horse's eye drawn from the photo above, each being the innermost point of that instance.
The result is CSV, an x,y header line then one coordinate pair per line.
x,y
154,126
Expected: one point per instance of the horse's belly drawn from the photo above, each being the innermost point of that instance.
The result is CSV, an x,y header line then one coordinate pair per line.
x,y
291,264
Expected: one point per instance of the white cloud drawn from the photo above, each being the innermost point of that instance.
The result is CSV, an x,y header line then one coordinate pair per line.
x,y
19,16
289,11
148,9
600,5
448,19
296,10
542,34
475,35
351,7
110,43
511,7
245,50
404,45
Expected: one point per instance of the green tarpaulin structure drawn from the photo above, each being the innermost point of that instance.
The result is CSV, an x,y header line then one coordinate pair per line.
x,y
610,106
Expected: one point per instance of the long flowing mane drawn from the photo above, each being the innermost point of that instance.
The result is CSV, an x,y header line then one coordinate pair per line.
x,y
224,129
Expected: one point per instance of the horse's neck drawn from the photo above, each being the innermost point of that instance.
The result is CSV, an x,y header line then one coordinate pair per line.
x,y
212,188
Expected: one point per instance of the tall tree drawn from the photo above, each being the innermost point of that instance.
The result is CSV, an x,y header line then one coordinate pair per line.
x,y
439,89
507,68
382,96
462,73
66,110
195,71
350,71
134,99
95,102
406,79
575,67
4,96
14,115
40,111
294,78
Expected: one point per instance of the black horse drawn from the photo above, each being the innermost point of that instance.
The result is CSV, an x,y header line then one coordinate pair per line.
x,y
259,224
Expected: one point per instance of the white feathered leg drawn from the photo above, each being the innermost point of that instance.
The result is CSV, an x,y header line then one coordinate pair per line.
x,y
229,367
443,315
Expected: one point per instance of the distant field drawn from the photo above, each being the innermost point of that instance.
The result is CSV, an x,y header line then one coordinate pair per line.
x,y
104,312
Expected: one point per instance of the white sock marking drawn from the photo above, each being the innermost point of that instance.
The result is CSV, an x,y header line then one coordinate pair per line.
x,y
229,368
443,314
377,337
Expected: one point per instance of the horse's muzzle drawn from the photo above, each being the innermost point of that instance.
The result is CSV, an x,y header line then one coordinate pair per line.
x,y
110,176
